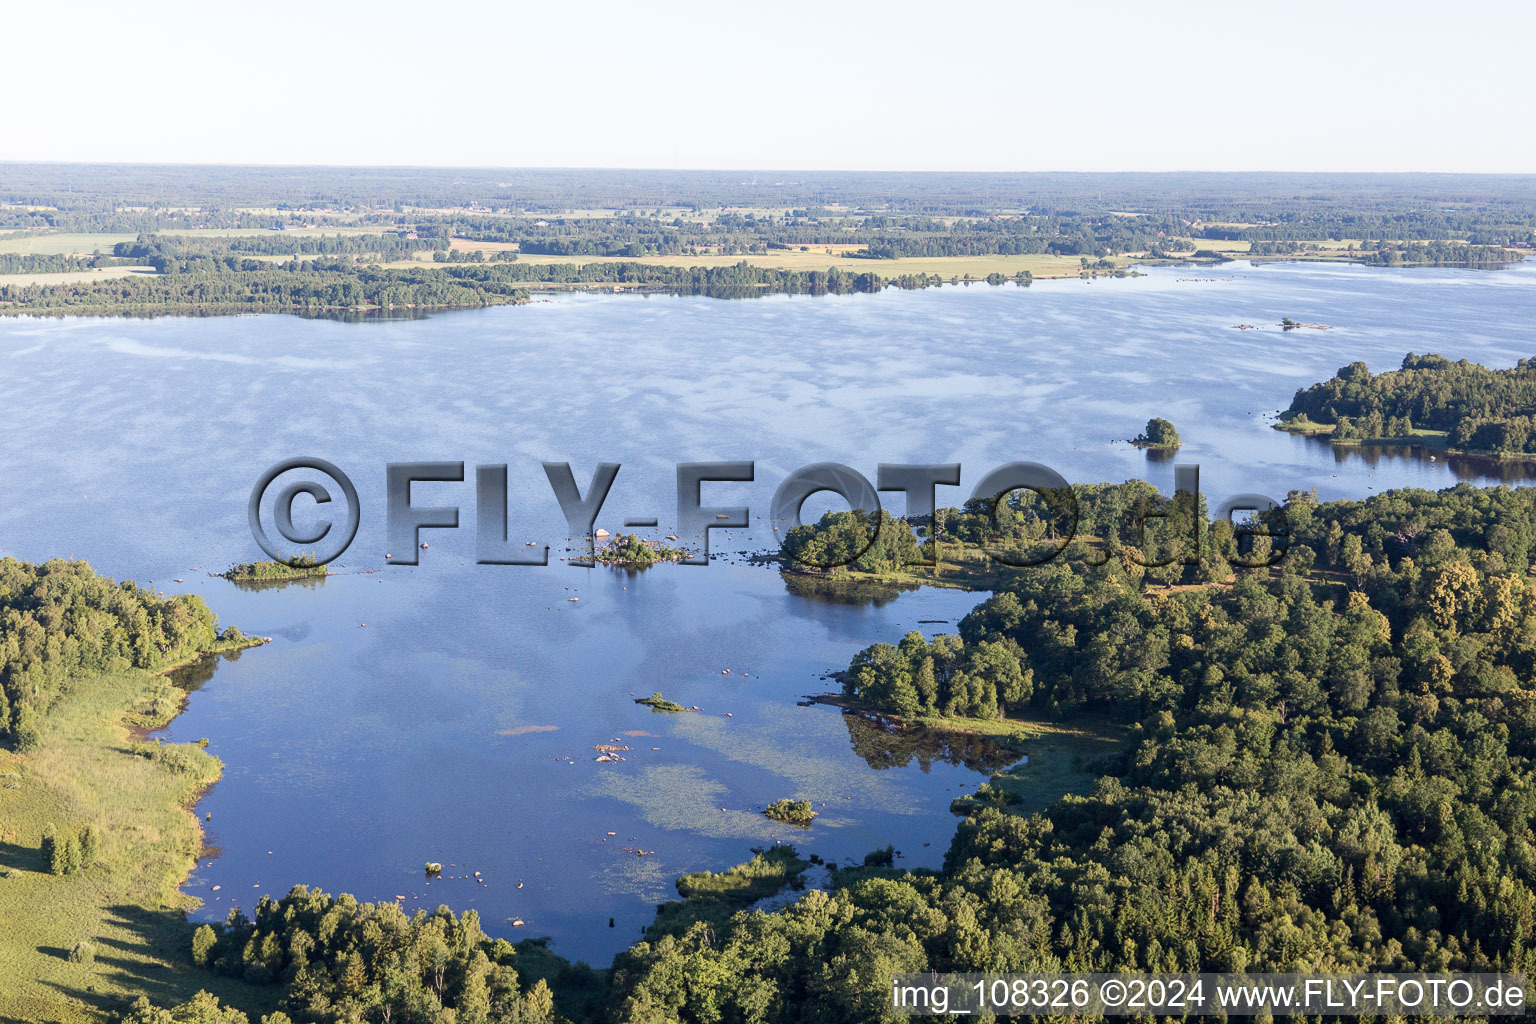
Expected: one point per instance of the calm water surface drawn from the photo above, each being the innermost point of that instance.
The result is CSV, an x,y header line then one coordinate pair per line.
x,y
450,712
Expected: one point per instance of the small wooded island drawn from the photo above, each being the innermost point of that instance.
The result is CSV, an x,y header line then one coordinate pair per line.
x,y
1159,433
791,812
1429,400
300,568
656,702
629,550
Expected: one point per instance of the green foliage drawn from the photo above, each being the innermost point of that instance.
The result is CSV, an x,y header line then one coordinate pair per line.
x,y
82,953
51,851
299,567
1326,774
202,1008
678,211
882,858
341,960
25,733
1027,526
672,214
656,702
60,619
840,541
791,812
236,285
765,874
61,852
128,904
944,677
89,845
65,853
1159,433
1440,252
188,254
712,896
203,942
628,549
46,263
72,861
986,795
1328,769
329,286
1480,409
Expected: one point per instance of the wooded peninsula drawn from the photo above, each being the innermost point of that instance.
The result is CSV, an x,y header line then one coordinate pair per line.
x,y
1428,400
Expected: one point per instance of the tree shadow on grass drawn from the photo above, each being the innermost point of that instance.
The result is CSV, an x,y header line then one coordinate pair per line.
x,y
14,856
157,962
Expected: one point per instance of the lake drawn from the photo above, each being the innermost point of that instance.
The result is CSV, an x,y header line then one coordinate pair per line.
x,y
452,712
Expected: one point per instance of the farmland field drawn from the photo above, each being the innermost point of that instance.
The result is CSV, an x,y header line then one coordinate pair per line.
x,y
64,244
85,243
817,258
73,276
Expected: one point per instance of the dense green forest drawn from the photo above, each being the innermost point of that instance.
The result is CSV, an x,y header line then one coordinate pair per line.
x,y
1392,255
841,541
234,284
59,620
29,263
1479,409
344,961
1120,519
172,253
1159,433
1330,772
1331,768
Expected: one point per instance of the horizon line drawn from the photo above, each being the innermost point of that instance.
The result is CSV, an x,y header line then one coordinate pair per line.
x,y
743,170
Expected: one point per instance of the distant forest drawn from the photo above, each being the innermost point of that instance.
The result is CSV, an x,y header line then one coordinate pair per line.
x,y
1484,209
213,276
384,215
896,214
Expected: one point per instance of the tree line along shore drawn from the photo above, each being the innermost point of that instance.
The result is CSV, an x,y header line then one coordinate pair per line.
x,y
1313,754
215,241
1459,406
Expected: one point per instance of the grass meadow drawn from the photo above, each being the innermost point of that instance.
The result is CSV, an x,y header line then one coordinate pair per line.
x,y
92,767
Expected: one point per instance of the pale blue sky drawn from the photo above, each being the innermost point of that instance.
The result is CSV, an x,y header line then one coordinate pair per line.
x,y
1104,85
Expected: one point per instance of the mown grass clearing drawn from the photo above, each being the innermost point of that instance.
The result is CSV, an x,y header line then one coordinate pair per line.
x,y
1303,424
73,276
1060,756
91,768
69,243
65,243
